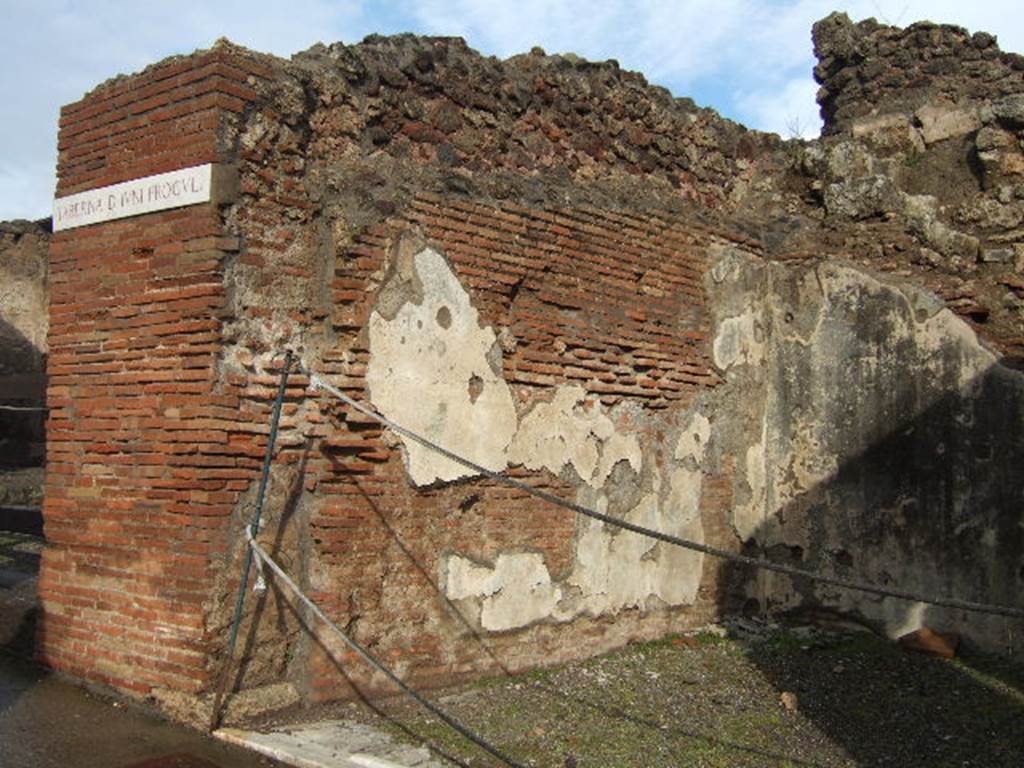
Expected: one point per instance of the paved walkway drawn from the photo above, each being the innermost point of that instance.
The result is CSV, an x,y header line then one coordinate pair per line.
x,y
48,722
333,744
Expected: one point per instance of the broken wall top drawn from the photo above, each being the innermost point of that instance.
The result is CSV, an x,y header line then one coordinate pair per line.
x,y
531,128
868,68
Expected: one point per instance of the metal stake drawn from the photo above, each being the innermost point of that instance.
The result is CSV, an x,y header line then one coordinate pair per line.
x,y
254,528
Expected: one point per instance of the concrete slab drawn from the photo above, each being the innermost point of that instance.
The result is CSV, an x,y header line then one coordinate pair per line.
x,y
331,744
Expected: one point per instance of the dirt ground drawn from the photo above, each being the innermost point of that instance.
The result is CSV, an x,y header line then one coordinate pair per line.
x,y
759,696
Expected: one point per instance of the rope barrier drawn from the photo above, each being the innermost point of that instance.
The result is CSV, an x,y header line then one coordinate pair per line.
x,y
365,655
318,383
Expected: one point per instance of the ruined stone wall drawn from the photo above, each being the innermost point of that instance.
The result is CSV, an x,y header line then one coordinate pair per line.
x,y
23,321
867,69
518,335
877,437
805,350
496,254
888,435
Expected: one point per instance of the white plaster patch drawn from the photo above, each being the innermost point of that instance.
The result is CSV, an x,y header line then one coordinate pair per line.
x,y
680,570
625,570
739,341
569,430
613,570
428,370
517,591
941,338
610,571
694,438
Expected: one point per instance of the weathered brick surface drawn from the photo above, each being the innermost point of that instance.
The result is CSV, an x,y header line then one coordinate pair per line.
x,y
611,301
148,452
581,210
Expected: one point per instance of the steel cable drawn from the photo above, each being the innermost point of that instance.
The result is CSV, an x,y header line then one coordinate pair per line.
x,y
317,382
370,659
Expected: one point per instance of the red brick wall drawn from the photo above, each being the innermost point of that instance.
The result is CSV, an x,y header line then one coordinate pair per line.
x,y
611,301
147,452
163,332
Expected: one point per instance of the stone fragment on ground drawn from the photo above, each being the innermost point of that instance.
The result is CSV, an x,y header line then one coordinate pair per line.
x,y
331,744
789,701
928,640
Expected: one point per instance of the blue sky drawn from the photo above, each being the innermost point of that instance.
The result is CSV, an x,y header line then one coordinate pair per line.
x,y
749,60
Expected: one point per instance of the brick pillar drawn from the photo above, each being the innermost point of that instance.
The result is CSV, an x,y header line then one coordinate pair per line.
x,y
142,470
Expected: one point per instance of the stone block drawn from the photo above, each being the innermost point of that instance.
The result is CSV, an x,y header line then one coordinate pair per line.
x,y
997,256
939,124
1010,110
927,640
888,133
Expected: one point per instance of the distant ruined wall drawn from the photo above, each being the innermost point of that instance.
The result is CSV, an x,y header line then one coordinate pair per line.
x,y
803,350
868,68
23,321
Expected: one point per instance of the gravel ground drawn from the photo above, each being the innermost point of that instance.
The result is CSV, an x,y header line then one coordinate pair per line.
x,y
746,695
762,697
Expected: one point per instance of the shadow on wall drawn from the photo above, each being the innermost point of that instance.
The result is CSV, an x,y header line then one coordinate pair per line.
x,y
22,386
891,447
934,506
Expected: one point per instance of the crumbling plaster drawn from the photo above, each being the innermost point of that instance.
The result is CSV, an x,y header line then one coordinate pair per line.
x,y
612,570
427,347
572,431
824,364
869,448
430,370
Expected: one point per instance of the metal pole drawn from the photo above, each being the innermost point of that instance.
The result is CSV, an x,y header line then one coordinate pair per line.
x,y
254,528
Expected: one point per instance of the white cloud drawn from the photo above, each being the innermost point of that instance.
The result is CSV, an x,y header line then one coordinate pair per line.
x,y
789,110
